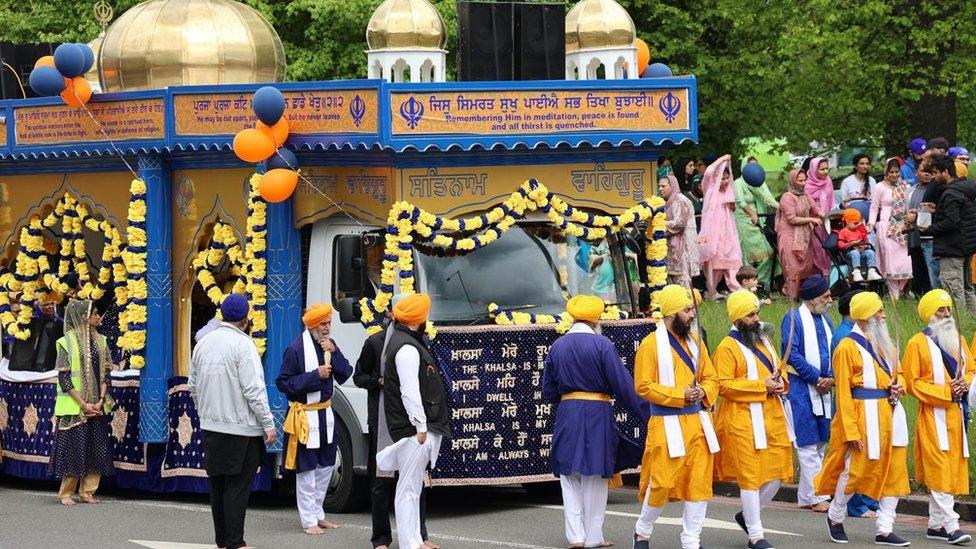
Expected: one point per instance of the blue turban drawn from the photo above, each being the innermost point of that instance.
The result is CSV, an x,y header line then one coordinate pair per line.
x,y
814,287
234,308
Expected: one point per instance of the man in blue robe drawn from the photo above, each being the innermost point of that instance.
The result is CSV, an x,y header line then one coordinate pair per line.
x,y
806,337
308,369
583,372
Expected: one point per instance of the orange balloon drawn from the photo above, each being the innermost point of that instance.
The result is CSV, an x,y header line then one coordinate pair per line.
x,y
46,61
278,133
77,91
643,56
277,185
252,145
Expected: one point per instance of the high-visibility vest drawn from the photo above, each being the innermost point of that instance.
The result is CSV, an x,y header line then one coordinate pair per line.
x,y
65,404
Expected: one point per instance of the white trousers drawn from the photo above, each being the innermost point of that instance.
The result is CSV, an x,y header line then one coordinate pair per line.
x,y
942,513
752,503
811,461
413,459
310,489
837,512
584,504
692,521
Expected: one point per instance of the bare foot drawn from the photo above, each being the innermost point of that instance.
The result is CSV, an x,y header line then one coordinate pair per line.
x,y
314,531
821,507
606,543
68,502
328,525
431,545
577,546
90,499
382,547
869,514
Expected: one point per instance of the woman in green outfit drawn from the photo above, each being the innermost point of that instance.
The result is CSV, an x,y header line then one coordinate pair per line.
x,y
752,203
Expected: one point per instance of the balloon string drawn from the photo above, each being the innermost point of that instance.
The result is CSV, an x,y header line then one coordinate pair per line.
x,y
316,189
98,124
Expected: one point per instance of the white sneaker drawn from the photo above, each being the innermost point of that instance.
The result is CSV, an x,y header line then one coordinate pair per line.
x,y
873,274
856,276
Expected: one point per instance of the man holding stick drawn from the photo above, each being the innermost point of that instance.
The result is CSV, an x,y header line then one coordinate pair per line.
x,y
869,432
938,370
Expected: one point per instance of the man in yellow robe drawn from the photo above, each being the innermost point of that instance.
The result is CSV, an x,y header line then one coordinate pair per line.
x,y
752,421
869,431
672,371
938,370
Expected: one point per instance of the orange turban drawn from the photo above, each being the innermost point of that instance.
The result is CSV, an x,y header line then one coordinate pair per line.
x,y
412,309
316,314
852,216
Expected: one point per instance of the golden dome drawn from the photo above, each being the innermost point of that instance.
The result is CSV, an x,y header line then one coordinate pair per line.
x,y
92,75
405,24
160,43
595,24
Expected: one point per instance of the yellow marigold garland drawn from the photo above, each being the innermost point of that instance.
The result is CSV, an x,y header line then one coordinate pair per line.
x,y
406,220
133,319
256,259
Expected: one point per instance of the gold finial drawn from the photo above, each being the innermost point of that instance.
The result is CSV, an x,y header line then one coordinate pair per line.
x,y
103,13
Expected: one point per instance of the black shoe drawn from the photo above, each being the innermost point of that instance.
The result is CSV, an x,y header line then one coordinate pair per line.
x,y
760,544
741,521
641,544
836,531
892,539
958,538
939,534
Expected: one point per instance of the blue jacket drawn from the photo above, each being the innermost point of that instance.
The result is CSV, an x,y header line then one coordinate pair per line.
x,y
810,429
908,171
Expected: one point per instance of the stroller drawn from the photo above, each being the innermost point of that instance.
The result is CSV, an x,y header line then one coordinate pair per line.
x,y
841,269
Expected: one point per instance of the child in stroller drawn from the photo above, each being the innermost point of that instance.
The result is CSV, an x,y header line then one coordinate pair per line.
x,y
852,240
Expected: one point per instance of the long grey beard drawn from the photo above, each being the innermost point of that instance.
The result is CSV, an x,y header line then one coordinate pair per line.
x,y
752,336
877,334
944,333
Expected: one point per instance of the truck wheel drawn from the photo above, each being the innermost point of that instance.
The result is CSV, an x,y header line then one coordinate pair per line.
x,y
546,492
348,492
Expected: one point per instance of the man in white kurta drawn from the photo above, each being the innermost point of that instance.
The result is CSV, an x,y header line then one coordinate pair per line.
x,y
416,413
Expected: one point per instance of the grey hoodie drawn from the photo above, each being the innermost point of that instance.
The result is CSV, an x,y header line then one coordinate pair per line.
x,y
227,384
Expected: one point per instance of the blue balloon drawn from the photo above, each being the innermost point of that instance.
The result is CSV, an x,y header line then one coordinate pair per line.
x,y
269,105
657,70
70,60
754,174
89,57
46,81
283,159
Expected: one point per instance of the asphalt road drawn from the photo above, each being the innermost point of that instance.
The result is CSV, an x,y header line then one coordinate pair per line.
x,y
30,517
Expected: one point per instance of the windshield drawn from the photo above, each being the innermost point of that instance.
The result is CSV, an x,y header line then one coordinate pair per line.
x,y
527,269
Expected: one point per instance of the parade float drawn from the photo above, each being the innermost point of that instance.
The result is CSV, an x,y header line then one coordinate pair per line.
x,y
500,199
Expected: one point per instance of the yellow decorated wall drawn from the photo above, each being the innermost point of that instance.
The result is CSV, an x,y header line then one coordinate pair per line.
x,y
22,196
200,197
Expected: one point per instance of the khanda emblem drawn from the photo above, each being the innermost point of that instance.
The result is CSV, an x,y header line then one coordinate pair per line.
x,y
412,111
357,108
669,106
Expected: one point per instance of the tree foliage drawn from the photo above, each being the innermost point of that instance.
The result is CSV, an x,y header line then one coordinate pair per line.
x,y
872,72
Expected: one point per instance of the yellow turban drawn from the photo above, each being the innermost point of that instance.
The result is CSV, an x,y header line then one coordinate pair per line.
x,y
316,314
932,302
585,307
865,305
412,309
698,297
741,303
673,298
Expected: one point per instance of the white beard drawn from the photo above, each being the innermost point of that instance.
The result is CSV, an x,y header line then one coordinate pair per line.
x,y
877,334
944,333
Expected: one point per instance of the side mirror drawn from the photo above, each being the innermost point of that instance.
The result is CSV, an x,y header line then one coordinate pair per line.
x,y
349,310
349,274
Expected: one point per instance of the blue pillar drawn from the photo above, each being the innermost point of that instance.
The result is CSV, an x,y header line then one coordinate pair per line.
x,y
284,300
153,409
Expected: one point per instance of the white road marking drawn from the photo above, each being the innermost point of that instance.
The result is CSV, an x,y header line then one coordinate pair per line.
x,y
676,521
170,544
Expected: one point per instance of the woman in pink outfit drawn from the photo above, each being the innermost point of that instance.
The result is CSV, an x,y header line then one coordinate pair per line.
x,y
718,240
889,206
820,189
798,216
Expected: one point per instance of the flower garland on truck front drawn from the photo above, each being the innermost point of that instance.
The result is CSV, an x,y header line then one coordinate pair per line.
x,y
133,319
408,224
